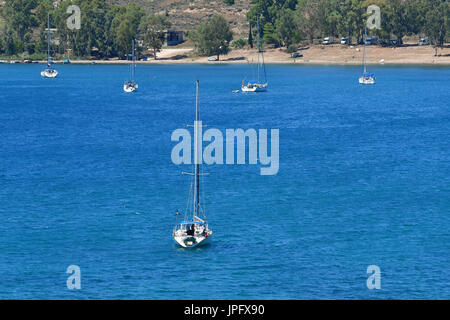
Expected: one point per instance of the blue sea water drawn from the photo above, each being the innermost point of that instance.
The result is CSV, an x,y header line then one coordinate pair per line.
x,y
86,179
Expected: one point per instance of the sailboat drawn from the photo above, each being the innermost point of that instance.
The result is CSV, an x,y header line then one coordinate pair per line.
x,y
193,230
252,85
131,85
366,78
49,72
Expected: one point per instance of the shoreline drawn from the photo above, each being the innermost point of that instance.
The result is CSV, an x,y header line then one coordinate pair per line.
x,y
297,63
340,55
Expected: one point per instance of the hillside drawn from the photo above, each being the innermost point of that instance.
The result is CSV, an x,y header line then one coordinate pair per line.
x,y
187,14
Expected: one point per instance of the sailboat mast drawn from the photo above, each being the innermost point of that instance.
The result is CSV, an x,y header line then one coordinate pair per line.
x,y
257,26
196,156
132,65
48,38
364,55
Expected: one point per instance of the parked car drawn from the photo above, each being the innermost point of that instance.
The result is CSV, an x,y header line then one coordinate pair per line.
x,y
346,40
297,55
424,41
371,41
387,43
327,40
212,59
393,42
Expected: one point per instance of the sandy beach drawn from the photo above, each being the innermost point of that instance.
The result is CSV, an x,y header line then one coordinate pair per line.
x,y
317,54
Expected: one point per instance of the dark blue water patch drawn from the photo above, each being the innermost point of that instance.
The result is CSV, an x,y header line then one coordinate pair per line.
x,y
86,178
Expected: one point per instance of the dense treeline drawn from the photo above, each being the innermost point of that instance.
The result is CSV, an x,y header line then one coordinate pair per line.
x,y
284,22
107,30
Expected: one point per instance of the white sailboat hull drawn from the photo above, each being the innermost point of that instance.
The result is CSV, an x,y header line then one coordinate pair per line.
x,y
186,241
364,80
49,74
129,89
259,87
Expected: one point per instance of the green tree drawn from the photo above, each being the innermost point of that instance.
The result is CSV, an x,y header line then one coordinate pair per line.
x,y
67,38
8,45
239,43
29,45
447,19
125,27
153,28
134,13
268,11
386,18
124,37
308,18
19,16
398,19
415,16
261,8
331,18
286,27
437,23
269,35
44,8
112,21
213,37
351,21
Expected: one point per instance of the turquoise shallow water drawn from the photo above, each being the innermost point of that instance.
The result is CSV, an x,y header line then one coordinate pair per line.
x,y
86,178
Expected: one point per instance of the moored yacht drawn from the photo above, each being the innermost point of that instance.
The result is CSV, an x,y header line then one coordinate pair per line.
x,y
366,78
193,230
49,71
257,85
131,85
